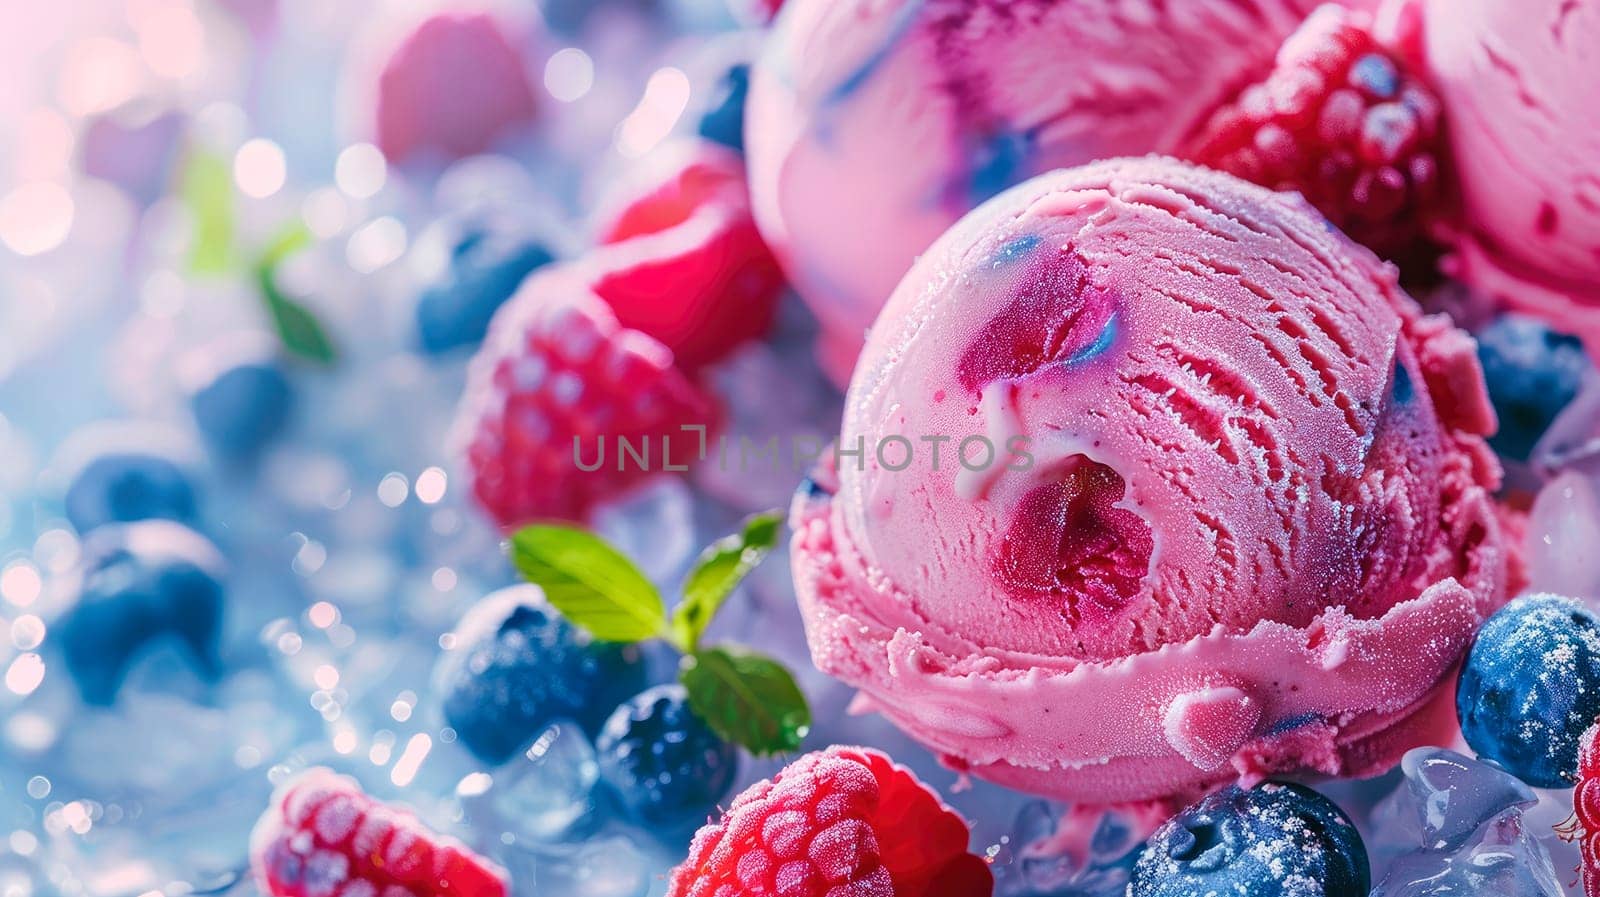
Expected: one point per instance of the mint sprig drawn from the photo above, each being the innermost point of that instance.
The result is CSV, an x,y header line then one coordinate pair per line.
x,y
745,697
755,697
207,193
720,568
591,583
206,190
298,329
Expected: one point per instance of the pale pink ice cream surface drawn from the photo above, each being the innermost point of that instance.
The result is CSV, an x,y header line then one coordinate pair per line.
x,y
1521,87
874,124
1256,533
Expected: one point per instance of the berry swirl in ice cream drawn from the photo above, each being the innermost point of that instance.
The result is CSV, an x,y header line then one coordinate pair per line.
x,y
1254,532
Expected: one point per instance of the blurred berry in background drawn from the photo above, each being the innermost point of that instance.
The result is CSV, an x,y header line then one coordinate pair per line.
x,y
122,486
147,586
1532,373
487,256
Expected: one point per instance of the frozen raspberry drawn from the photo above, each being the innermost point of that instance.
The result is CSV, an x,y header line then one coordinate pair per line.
x,y
682,260
845,822
452,88
565,408
1342,120
322,837
1584,826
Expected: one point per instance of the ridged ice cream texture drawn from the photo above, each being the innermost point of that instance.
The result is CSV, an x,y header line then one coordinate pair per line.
x,y
1257,531
873,125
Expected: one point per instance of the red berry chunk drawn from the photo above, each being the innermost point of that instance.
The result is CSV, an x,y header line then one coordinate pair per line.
x,y
422,107
845,822
565,408
1584,826
682,260
1344,122
322,837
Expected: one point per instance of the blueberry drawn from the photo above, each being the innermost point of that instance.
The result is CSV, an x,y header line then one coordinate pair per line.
x,y
489,259
122,486
663,761
1274,840
1532,373
243,407
1530,686
145,585
570,16
517,665
723,121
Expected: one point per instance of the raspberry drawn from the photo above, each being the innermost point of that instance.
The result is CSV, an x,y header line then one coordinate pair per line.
x,y
1584,826
682,260
1343,121
452,88
322,836
845,822
559,386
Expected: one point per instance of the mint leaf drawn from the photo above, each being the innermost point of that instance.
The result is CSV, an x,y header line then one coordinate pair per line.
x,y
298,329
746,698
591,583
718,572
207,192
293,238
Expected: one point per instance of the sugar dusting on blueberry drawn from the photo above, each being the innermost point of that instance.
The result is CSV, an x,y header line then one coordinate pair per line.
x,y
1530,687
1274,840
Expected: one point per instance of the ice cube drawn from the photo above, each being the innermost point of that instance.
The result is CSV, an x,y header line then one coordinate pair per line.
x,y
541,793
1503,859
1468,818
1562,532
1054,851
781,415
611,864
653,525
1573,441
1453,796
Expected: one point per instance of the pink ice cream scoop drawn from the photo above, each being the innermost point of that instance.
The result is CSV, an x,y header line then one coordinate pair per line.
x,y
1521,87
1148,480
451,87
874,124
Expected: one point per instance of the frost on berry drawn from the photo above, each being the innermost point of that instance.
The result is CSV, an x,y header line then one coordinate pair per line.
x,y
557,391
1343,121
839,823
322,837
1584,826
